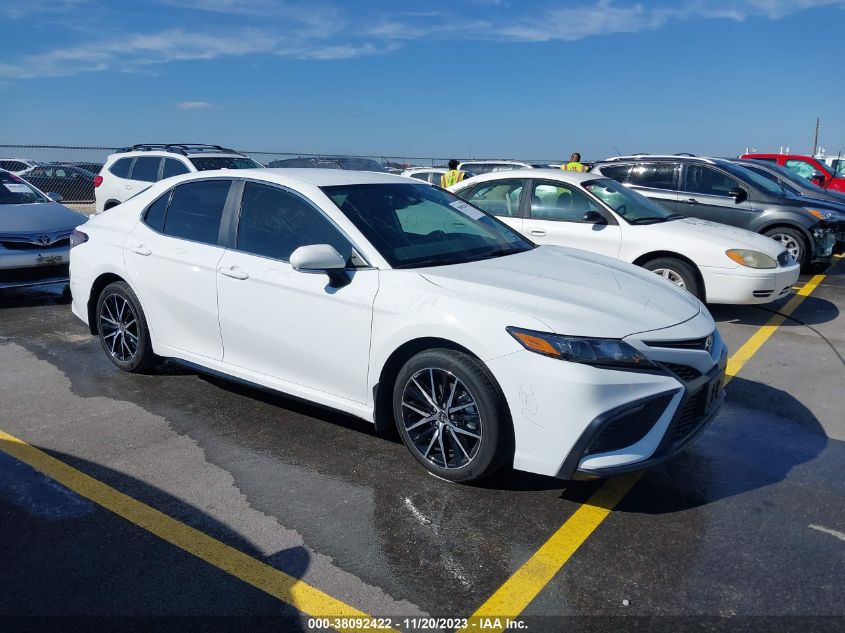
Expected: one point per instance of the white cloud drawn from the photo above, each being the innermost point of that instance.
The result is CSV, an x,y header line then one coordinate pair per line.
x,y
193,105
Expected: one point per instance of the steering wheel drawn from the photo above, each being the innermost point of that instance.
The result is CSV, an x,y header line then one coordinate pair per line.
x,y
438,234
622,209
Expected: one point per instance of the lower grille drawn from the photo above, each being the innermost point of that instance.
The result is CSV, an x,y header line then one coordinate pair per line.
x,y
690,416
36,273
629,427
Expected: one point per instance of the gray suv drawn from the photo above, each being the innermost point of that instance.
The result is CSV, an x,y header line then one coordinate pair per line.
x,y
721,191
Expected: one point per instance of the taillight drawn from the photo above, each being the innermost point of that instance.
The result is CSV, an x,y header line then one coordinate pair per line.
x,y
77,238
98,180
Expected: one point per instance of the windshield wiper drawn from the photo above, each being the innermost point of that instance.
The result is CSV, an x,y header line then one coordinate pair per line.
x,y
653,220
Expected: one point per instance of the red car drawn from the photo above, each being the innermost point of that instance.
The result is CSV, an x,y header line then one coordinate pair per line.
x,y
806,167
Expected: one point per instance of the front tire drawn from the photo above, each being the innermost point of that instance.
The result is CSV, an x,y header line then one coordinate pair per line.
x,y
123,329
452,415
678,272
793,241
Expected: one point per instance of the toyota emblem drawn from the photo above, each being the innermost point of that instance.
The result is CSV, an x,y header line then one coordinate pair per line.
x,y
44,239
708,343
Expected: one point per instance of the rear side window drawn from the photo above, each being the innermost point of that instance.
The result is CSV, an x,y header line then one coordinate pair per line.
x,y
173,167
274,223
618,172
12,165
500,197
652,175
146,168
196,209
154,217
121,167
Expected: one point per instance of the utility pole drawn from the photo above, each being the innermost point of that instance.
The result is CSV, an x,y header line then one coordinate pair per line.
x,y
816,139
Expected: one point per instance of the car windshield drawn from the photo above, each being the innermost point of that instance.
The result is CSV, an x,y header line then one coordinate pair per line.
x,y
360,164
632,206
415,225
224,162
13,190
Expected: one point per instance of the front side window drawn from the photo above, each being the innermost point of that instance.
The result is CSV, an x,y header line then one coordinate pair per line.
x,y
121,167
707,181
146,168
195,210
421,175
37,172
560,202
653,175
13,190
414,225
478,168
224,162
500,197
173,167
12,165
633,207
274,223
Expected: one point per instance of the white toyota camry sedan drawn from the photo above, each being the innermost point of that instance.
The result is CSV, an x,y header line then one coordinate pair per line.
x,y
401,304
715,262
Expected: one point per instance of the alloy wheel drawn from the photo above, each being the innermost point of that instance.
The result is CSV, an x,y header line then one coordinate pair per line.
x,y
119,328
672,276
789,243
441,417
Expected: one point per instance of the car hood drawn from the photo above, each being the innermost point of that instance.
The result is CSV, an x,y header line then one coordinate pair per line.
x,y
718,236
572,291
34,218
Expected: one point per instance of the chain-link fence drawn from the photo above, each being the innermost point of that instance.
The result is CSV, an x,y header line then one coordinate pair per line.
x,y
69,170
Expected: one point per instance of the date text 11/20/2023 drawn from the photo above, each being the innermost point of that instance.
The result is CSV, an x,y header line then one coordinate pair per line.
x,y
416,624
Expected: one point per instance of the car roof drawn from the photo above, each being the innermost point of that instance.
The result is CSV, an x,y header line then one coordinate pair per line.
x,y
315,177
657,157
576,177
760,154
507,161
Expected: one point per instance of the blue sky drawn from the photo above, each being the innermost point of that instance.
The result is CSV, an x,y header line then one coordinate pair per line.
x,y
518,78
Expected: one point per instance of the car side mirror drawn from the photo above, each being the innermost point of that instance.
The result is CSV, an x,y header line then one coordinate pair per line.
x,y
320,258
594,217
739,194
55,197
817,178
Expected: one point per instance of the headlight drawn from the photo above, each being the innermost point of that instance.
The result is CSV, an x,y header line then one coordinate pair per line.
x,y
605,352
824,214
752,259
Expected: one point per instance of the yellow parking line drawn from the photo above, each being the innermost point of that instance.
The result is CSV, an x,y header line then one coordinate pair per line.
x,y
511,599
285,587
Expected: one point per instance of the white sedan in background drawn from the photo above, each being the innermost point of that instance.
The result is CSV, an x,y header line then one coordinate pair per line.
x,y
399,303
715,262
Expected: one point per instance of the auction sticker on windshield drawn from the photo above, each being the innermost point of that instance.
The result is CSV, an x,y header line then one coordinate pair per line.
x,y
467,209
16,187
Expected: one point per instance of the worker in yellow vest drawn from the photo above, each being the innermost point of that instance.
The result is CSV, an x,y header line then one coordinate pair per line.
x,y
574,163
453,176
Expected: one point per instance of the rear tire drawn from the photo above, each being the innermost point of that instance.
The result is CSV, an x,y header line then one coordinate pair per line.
x,y
123,329
678,272
452,416
793,241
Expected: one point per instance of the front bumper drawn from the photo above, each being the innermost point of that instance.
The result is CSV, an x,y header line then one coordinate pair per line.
x,y
825,236
34,267
701,402
748,285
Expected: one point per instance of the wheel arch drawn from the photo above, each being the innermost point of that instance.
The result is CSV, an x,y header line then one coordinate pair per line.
x,y
383,389
97,287
783,224
110,203
647,257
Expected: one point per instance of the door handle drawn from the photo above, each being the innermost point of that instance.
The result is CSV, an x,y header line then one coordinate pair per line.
x,y
691,201
128,186
140,249
539,232
234,272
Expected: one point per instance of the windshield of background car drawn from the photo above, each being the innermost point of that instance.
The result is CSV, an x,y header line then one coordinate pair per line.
x,y
361,164
764,184
632,206
416,225
13,190
224,162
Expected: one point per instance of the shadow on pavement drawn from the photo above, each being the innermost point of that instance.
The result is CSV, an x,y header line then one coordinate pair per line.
x,y
69,564
814,311
54,294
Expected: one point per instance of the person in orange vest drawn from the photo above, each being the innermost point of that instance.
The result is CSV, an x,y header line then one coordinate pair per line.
x,y
453,176
574,163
